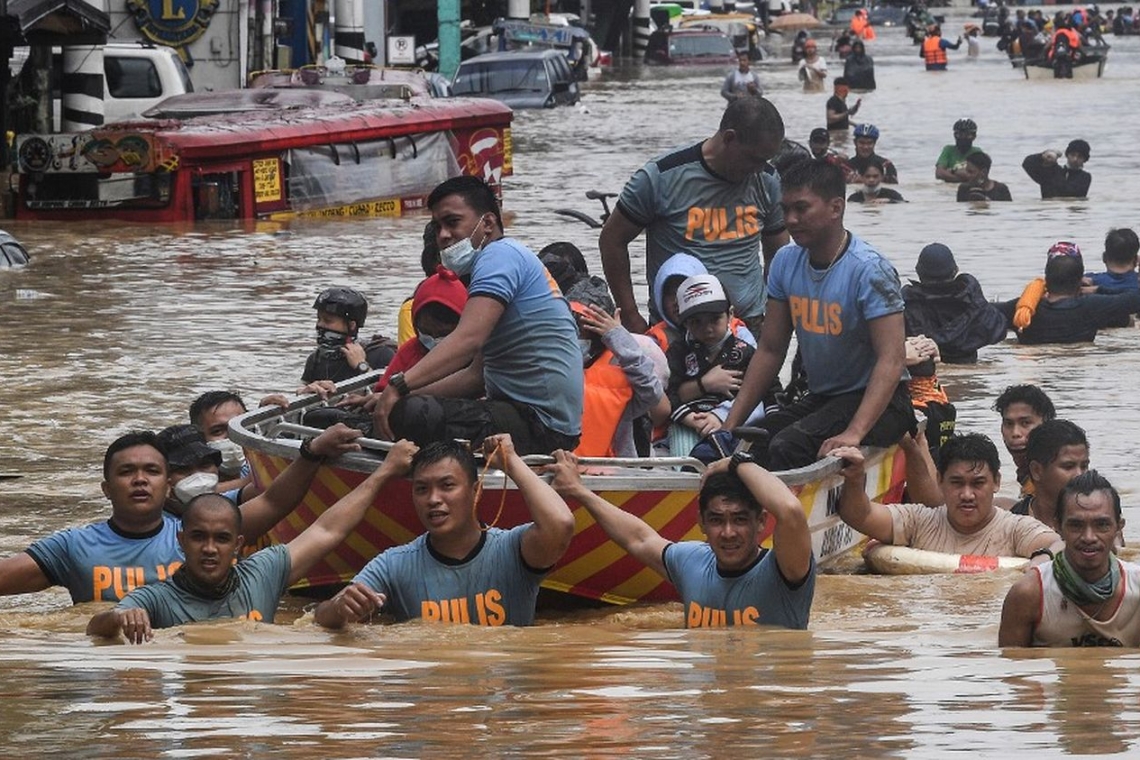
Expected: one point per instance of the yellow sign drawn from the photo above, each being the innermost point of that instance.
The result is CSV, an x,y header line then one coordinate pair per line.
x,y
267,179
388,207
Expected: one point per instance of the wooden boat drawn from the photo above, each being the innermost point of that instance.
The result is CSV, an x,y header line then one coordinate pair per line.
x,y
1091,66
269,154
656,490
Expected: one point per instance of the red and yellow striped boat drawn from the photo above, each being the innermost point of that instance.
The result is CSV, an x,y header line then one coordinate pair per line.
x,y
594,567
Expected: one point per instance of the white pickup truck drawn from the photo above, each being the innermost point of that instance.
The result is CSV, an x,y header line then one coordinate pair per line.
x,y
137,75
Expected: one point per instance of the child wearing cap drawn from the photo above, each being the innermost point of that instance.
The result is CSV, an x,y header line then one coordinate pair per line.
x,y
436,306
707,367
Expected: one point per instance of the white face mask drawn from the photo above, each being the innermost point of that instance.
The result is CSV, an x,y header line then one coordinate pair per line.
x,y
460,257
195,485
429,341
233,456
870,191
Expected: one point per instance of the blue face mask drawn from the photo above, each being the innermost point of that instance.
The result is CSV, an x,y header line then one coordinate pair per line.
x,y
460,257
429,341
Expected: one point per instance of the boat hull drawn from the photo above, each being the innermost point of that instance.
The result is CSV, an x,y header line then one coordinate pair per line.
x,y
1089,69
594,567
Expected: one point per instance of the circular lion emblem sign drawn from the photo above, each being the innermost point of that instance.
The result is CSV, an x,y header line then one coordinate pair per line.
x,y
174,23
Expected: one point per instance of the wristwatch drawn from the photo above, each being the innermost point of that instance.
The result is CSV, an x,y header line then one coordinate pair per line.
x,y
363,367
398,382
739,458
307,452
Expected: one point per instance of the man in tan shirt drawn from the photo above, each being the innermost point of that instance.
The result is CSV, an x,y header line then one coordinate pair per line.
x,y
968,522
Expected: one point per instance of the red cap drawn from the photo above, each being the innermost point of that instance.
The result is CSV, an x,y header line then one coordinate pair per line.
x,y
443,287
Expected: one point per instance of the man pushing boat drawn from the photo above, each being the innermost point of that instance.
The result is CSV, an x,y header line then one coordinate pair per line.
x,y
726,580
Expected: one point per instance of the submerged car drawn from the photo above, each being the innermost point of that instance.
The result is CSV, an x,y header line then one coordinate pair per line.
x,y
521,78
688,46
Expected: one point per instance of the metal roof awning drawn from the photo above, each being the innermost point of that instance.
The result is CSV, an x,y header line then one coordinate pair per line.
x,y
59,21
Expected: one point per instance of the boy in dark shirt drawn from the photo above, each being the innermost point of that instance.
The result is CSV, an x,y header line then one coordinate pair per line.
x,y
1056,181
978,185
707,367
1121,248
340,315
838,114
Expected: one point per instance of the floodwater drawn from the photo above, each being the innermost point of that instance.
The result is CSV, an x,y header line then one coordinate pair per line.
x,y
115,327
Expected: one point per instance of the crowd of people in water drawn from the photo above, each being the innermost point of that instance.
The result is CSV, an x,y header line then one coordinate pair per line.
x,y
520,352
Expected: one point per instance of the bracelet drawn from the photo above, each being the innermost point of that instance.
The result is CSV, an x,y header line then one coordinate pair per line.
x,y
307,452
1042,553
701,387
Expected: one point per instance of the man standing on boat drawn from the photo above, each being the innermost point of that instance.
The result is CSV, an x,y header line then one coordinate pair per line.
x,y
718,200
1085,597
967,523
844,302
512,364
106,560
211,584
459,571
726,579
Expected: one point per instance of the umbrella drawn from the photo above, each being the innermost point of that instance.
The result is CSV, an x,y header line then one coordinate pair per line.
x,y
794,21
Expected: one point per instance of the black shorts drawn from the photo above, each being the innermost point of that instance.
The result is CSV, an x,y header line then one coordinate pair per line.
x,y
423,419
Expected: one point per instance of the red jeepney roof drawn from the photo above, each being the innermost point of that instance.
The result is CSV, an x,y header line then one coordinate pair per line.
x,y
240,134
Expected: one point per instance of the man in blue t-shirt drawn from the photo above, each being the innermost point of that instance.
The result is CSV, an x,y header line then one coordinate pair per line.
x,y
512,365
726,579
718,200
104,561
212,584
458,571
844,302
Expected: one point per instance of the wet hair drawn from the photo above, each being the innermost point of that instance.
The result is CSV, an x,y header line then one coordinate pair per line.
x,y
753,118
129,441
874,162
1047,439
980,160
207,500
823,178
1086,484
437,451
1028,394
569,253
973,448
730,487
1121,247
475,193
209,401
841,82
429,256
1063,274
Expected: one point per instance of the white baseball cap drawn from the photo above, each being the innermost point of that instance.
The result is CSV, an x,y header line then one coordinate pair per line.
x,y
701,294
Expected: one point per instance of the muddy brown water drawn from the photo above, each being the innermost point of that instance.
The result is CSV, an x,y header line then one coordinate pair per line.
x,y
116,327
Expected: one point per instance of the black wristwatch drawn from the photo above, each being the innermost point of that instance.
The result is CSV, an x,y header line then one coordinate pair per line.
x,y
307,452
739,458
398,382
363,367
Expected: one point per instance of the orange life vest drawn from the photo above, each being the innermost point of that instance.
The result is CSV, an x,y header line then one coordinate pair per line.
x,y
932,51
1072,38
607,392
923,390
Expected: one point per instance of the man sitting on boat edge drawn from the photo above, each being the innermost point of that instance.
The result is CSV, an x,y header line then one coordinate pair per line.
x,y
726,580
211,583
484,378
1086,596
459,571
968,523
106,560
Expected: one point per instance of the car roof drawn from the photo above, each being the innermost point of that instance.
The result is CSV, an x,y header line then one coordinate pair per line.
x,y
695,32
510,55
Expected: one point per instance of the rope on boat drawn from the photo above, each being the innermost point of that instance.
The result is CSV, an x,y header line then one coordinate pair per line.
x,y
479,492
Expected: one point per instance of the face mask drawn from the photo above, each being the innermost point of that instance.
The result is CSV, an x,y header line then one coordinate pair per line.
x,y
233,456
330,341
429,341
460,257
195,485
963,145
870,191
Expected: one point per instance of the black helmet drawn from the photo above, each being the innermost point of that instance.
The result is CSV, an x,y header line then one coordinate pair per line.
x,y
965,125
344,302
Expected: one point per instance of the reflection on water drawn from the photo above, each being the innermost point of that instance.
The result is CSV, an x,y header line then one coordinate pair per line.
x,y
116,326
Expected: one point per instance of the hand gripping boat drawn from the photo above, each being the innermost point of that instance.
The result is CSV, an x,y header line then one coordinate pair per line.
x,y
656,490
